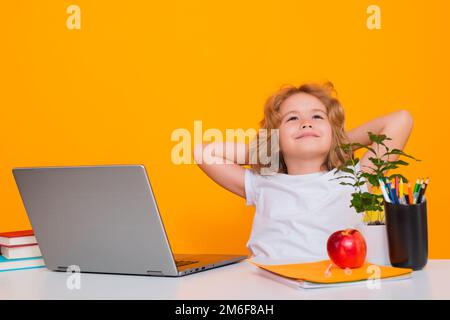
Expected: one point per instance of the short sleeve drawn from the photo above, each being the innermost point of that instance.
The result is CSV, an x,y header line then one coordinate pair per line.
x,y
250,187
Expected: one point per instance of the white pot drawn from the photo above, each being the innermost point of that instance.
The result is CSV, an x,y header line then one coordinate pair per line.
x,y
377,244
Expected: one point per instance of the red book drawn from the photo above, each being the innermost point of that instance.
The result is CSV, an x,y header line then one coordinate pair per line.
x,y
17,238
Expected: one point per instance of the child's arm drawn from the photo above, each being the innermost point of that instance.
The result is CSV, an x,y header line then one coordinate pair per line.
x,y
222,161
396,125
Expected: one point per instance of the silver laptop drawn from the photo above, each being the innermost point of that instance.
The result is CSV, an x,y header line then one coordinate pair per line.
x,y
103,219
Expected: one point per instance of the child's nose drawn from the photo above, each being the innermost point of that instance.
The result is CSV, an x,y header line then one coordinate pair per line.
x,y
306,125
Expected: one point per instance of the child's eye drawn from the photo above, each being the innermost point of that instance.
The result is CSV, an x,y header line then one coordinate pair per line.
x,y
317,116
292,118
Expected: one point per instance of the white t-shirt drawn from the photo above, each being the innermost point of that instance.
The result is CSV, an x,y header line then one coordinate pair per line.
x,y
296,214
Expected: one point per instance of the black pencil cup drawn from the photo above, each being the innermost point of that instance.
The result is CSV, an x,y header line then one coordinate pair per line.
x,y
407,232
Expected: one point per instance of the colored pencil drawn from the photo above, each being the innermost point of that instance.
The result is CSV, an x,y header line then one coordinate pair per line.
x,y
383,191
426,185
410,197
396,186
400,192
416,194
421,192
416,185
392,193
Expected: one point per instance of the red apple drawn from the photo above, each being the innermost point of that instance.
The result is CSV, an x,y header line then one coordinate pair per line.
x,y
347,248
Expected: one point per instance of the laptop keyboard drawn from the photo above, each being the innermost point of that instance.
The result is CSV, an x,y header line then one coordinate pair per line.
x,y
180,263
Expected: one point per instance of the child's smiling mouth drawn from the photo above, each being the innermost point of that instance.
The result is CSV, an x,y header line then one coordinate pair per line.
x,y
307,135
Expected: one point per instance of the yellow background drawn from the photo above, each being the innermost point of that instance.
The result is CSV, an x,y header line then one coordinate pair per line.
x,y
113,92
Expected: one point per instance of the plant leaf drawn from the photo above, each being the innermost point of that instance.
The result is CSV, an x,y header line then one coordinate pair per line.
x,y
400,152
399,176
346,184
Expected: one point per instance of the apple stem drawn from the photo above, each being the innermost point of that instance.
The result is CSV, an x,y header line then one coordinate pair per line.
x,y
347,232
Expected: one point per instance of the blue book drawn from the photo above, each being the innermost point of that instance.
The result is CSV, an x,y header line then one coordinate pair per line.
x,y
21,264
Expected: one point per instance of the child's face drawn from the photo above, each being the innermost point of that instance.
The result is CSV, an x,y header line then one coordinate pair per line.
x,y
305,131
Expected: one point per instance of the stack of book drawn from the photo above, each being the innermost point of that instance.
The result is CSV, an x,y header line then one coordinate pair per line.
x,y
19,250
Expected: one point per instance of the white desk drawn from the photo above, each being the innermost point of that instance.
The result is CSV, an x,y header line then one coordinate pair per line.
x,y
238,281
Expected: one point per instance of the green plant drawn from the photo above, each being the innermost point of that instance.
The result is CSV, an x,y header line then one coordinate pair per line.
x,y
367,201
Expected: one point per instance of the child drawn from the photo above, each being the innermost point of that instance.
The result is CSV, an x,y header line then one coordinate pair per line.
x,y
299,206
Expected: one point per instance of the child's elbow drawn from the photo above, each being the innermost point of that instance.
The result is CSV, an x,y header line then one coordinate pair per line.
x,y
405,118
198,153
